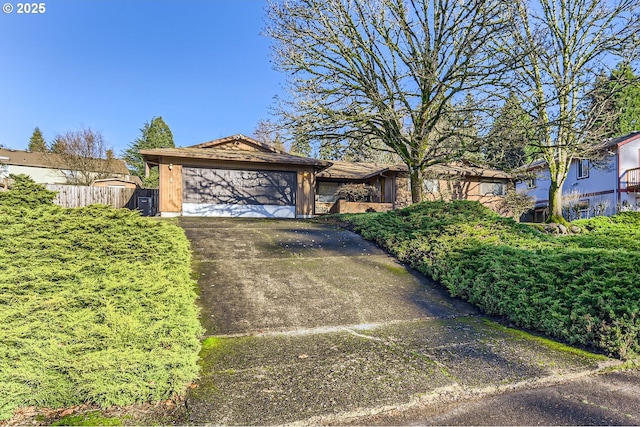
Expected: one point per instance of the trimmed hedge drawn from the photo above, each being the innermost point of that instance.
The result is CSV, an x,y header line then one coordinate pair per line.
x,y
97,305
583,289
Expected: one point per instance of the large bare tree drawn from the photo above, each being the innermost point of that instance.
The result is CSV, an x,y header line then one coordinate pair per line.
x,y
84,154
385,71
563,45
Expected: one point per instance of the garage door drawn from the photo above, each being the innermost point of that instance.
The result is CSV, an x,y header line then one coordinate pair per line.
x,y
246,193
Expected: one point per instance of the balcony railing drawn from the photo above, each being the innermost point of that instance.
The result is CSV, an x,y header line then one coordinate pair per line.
x,y
633,179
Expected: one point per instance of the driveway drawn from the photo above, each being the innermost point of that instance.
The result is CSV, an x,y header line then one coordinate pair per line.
x,y
311,324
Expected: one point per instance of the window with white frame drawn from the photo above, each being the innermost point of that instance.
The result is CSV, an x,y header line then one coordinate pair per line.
x,y
431,186
493,189
583,168
531,182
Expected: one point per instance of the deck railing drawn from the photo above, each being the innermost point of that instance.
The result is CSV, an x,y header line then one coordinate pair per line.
x,y
633,179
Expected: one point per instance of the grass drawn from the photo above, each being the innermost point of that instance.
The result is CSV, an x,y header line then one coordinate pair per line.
x,y
97,307
582,289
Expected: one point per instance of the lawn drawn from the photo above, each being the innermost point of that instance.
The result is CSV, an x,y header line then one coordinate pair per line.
x,y
97,306
583,289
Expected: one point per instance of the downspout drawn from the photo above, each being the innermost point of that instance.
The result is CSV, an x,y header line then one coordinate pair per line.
x,y
618,192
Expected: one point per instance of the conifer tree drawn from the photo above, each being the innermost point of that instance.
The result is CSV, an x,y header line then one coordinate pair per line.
x,y
36,142
154,134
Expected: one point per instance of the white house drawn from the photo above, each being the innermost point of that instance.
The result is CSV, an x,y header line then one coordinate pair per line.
x,y
591,189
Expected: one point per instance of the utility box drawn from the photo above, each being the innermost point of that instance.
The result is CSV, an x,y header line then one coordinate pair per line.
x,y
145,205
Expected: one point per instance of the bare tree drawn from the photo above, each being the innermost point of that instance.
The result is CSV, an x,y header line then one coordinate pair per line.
x,y
385,71
269,133
563,45
84,155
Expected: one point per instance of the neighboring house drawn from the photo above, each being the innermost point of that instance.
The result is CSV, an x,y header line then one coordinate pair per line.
x,y
44,168
592,188
239,176
132,182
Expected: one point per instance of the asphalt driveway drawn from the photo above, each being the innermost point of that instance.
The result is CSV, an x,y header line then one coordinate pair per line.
x,y
311,324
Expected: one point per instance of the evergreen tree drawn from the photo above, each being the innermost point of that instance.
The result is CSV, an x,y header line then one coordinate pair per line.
x,y
154,134
510,142
58,146
615,101
37,143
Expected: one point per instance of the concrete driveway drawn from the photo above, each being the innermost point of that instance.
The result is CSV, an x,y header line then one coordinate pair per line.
x,y
310,324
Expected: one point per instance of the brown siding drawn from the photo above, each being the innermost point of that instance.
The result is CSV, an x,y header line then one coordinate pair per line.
x,y
170,186
306,193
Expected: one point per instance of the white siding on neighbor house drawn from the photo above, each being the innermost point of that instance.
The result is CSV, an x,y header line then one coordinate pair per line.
x,y
39,174
600,188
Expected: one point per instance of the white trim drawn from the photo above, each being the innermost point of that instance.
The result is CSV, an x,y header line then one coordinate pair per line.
x,y
232,210
169,214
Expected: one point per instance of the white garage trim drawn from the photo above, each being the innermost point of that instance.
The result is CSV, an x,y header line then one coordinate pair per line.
x,y
233,210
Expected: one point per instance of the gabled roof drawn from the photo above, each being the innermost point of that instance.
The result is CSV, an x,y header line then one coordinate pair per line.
x,y
243,156
261,146
52,161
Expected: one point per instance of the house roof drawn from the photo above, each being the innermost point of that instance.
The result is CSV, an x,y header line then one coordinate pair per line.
x,y
51,160
237,138
357,171
621,140
363,171
131,179
461,169
244,156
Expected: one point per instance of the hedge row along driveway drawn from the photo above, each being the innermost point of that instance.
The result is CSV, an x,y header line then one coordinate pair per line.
x,y
583,289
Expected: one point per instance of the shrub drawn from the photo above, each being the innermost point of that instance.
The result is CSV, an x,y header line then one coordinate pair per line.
x,y
97,306
356,192
581,288
25,193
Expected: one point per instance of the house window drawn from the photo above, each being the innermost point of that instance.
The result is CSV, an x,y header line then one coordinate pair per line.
x,y
431,186
4,171
531,182
492,188
327,192
583,168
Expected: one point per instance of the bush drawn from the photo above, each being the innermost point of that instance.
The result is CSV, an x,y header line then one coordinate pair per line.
x,y
356,192
24,193
582,288
97,306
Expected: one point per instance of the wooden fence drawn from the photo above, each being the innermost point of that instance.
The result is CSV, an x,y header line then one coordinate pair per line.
x,y
73,196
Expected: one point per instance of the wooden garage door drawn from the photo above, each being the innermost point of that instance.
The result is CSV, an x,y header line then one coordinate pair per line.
x,y
238,187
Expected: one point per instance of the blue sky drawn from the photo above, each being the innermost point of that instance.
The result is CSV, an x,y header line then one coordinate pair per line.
x,y
113,65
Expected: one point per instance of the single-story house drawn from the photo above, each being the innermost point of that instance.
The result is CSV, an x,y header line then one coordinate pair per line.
x,y
48,168
239,176
234,176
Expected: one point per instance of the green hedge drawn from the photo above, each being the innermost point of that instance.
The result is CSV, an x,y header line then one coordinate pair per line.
x,y
584,289
97,305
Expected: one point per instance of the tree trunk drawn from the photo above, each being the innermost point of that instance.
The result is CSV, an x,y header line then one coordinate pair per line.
x,y
555,203
416,185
